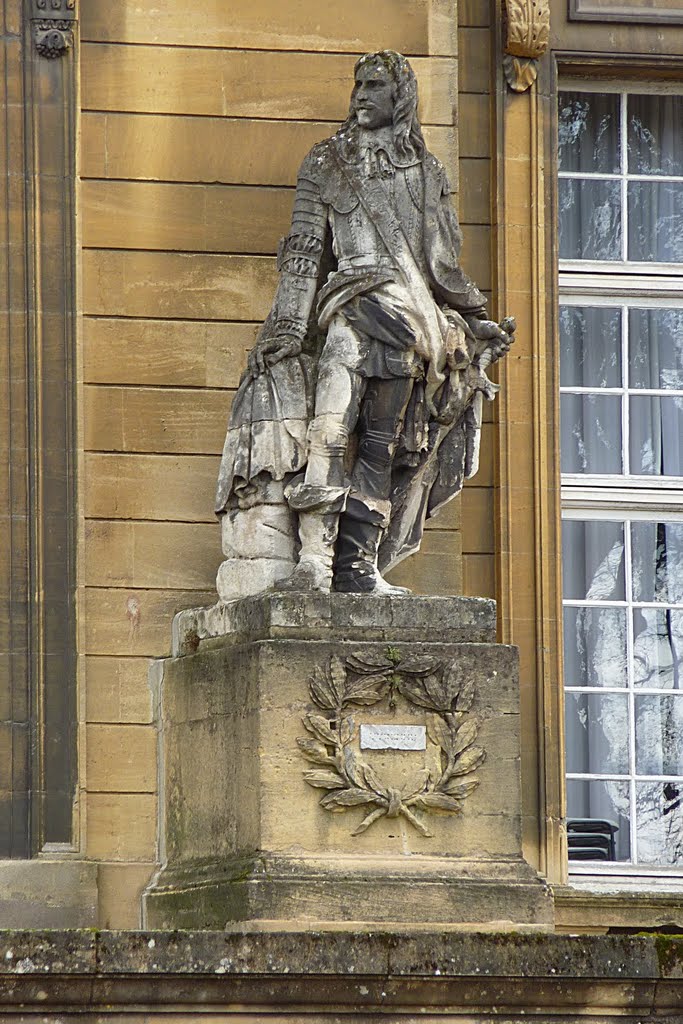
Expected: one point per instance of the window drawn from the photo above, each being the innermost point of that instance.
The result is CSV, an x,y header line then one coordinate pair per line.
x,y
621,378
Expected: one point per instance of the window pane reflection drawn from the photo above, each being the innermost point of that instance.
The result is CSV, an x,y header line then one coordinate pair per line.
x,y
590,219
657,554
593,560
590,347
602,800
659,823
596,727
589,132
590,433
595,647
655,348
657,648
655,139
655,221
656,435
659,735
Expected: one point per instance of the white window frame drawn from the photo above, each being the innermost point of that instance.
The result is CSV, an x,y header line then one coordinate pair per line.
x,y
623,497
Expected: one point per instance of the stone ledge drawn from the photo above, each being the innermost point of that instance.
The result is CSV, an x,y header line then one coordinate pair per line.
x,y
321,974
271,616
404,952
608,904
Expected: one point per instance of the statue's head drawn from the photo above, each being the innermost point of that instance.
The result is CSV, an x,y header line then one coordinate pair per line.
x,y
385,93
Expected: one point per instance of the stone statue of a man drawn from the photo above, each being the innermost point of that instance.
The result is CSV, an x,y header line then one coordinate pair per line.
x,y
360,412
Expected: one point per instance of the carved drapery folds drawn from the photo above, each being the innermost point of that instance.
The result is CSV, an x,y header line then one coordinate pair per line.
x,y
527,30
53,22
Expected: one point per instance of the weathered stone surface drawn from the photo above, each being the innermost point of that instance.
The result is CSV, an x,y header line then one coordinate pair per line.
x,y
259,845
276,973
299,951
48,894
333,616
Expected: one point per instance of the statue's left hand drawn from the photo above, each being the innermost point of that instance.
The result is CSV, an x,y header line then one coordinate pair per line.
x,y
499,338
272,350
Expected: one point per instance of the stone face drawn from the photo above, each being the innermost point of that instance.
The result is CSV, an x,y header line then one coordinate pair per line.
x,y
244,835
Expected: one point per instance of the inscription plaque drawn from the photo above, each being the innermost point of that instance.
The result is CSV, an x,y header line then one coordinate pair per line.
x,y
393,737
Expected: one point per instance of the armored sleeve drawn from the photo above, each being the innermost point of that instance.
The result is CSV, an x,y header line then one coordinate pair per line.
x,y
299,256
443,241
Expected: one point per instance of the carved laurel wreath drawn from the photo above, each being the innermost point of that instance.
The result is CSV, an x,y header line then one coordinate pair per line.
x,y
425,682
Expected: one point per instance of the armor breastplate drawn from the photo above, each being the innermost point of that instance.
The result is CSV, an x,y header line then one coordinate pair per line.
x,y
355,238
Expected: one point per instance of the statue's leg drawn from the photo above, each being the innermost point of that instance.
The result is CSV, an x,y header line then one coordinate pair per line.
x,y
320,498
368,507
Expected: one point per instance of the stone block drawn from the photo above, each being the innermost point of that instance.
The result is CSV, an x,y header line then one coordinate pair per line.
x,y
269,707
122,826
202,286
119,888
174,353
116,690
266,531
241,577
120,759
413,28
162,487
48,894
133,419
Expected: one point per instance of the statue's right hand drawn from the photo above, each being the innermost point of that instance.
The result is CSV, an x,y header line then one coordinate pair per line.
x,y
272,350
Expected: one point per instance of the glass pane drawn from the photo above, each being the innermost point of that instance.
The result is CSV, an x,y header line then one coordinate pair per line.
x,y
596,733
595,647
601,801
655,221
657,555
590,431
590,219
593,560
656,435
659,823
589,132
655,136
659,735
655,348
590,346
657,648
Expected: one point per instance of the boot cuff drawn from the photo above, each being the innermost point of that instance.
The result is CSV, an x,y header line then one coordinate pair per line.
x,y
368,510
309,498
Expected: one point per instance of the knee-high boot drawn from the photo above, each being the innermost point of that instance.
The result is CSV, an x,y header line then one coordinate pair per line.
x,y
318,510
355,568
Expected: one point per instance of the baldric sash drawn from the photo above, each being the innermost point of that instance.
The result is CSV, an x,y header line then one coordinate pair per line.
x,y
439,337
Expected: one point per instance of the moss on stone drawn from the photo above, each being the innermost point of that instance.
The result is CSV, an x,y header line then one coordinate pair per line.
x,y
669,949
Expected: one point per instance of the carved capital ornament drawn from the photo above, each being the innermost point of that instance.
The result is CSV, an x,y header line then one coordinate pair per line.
x,y
527,32
52,23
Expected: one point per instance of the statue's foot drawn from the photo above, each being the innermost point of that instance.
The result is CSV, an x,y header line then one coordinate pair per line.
x,y
382,587
309,574
367,582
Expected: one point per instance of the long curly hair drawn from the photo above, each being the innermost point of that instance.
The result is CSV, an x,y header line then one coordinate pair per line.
x,y
408,139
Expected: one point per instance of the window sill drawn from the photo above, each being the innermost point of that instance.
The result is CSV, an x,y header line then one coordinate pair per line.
x,y
599,903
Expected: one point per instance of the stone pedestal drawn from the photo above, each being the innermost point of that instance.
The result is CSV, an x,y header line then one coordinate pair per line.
x,y
399,714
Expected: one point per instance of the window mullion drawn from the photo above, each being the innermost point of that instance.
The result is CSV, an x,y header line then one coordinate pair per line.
x,y
625,403
624,180
628,583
